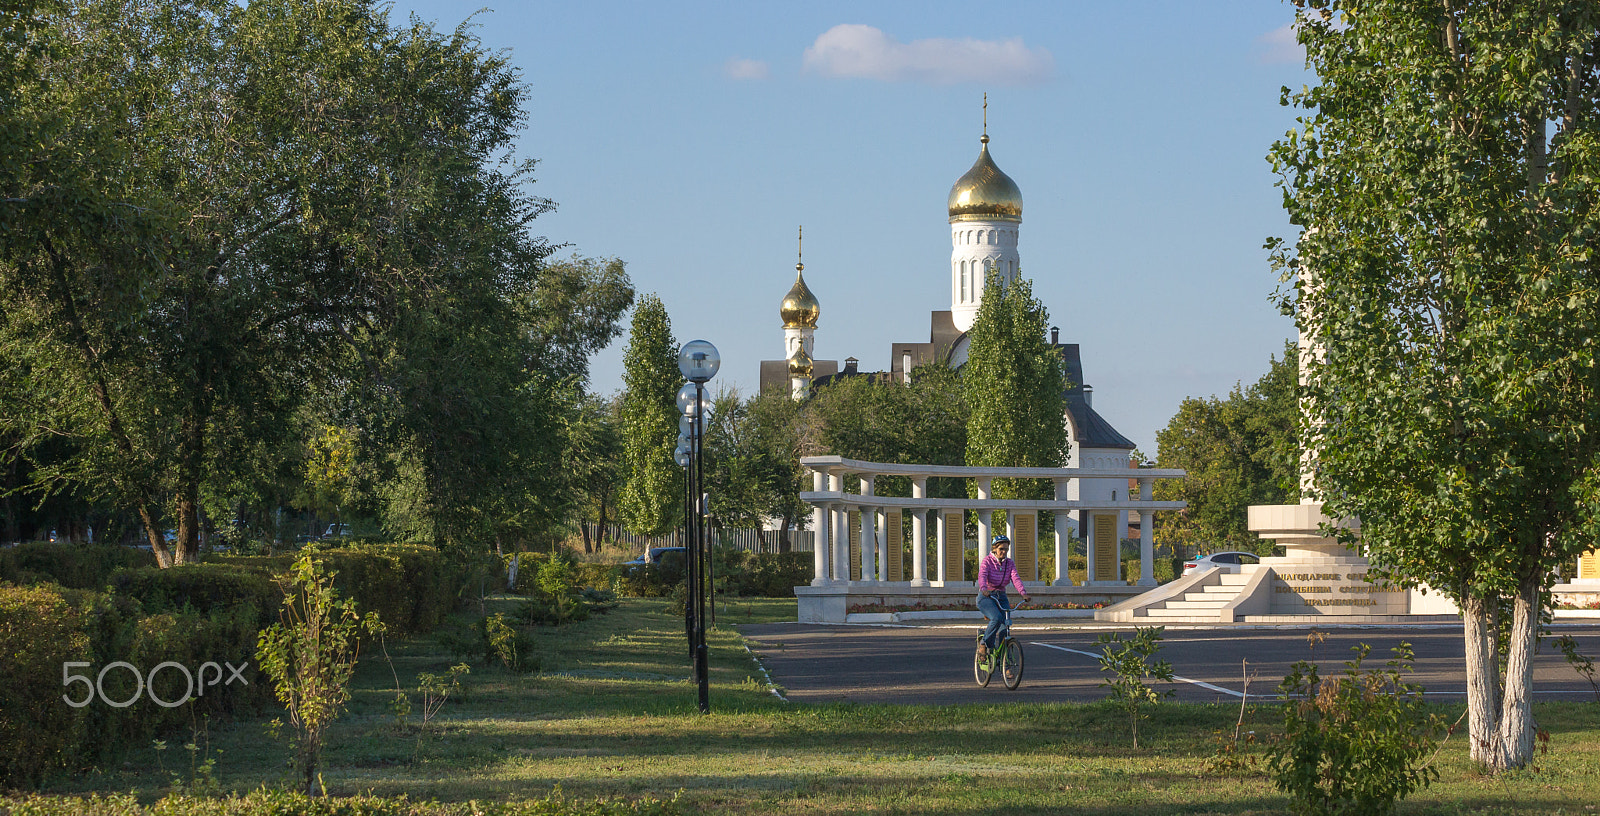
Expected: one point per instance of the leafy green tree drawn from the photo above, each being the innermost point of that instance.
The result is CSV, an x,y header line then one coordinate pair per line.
x,y
1014,384
772,442
1446,179
1238,452
223,208
651,495
924,422
752,463
576,310
593,464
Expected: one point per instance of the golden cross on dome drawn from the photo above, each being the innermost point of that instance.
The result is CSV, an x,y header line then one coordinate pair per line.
x,y
799,253
985,138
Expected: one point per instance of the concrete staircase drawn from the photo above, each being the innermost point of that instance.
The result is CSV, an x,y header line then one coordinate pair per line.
x,y
1201,604
1213,596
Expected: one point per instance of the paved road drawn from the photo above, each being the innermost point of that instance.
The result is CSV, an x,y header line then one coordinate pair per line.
x,y
933,664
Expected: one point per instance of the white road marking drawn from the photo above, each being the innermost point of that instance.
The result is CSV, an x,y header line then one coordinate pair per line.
x,y
1199,683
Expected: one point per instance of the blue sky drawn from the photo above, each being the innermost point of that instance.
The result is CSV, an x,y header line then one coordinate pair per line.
x,y
691,139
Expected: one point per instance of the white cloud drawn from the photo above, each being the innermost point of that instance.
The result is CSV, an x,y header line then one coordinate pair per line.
x,y
740,68
864,51
1278,47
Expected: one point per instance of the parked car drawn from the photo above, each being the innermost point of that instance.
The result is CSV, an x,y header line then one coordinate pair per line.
x,y
669,557
336,529
1226,561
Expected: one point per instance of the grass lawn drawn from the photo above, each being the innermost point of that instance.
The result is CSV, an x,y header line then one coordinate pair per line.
x,y
611,712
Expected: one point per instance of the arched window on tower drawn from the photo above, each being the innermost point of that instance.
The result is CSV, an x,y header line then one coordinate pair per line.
x,y
962,292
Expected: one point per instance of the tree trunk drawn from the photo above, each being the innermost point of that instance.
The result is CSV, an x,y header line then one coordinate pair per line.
x,y
785,544
158,545
588,540
1483,703
1516,709
189,465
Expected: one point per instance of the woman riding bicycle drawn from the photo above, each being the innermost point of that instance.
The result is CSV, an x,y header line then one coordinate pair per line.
x,y
993,574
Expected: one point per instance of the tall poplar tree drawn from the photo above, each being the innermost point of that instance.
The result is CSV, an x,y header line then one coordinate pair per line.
x,y
1014,383
651,498
1447,176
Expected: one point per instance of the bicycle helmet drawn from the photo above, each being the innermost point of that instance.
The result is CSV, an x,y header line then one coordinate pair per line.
x,y
999,539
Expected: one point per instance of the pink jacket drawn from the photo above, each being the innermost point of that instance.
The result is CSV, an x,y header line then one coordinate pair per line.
x,y
995,572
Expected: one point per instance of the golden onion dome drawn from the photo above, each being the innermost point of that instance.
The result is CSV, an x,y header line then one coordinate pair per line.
x,y
984,193
800,363
800,309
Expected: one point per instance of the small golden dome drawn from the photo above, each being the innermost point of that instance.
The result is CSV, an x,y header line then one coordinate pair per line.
x,y
984,193
800,309
800,363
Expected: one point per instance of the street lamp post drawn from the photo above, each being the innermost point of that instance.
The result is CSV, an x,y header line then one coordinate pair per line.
x,y
681,456
698,361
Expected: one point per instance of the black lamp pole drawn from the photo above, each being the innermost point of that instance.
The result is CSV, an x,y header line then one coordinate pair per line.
x,y
698,361
697,435
688,560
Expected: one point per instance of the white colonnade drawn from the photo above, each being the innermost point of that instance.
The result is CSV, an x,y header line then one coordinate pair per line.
x,y
858,534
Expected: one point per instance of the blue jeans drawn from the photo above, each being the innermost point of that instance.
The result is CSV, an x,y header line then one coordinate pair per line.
x,y
994,608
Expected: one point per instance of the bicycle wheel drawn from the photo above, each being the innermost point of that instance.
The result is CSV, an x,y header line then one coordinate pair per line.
x,y
1011,666
982,670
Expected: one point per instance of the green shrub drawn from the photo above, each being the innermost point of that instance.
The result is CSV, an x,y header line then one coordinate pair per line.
x,y
650,580
769,575
1128,664
1353,743
310,657
203,588
492,639
43,628
557,598
527,571
511,646
39,632
412,587
75,566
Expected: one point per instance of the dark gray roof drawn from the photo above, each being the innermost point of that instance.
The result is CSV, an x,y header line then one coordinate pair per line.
x,y
1092,430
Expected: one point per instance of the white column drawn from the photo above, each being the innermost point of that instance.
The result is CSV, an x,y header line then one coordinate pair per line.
x,y
819,532
919,535
841,532
1147,535
1063,544
869,534
985,517
939,552
881,519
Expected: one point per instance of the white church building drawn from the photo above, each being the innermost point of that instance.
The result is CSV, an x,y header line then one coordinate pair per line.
x,y
985,217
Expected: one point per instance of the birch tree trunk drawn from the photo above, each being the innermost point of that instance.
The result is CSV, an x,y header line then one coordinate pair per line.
x,y
1516,709
1483,699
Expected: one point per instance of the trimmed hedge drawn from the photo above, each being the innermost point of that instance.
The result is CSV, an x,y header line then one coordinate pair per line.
x,y
276,802
39,631
75,566
189,615
44,627
763,575
202,588
412,587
